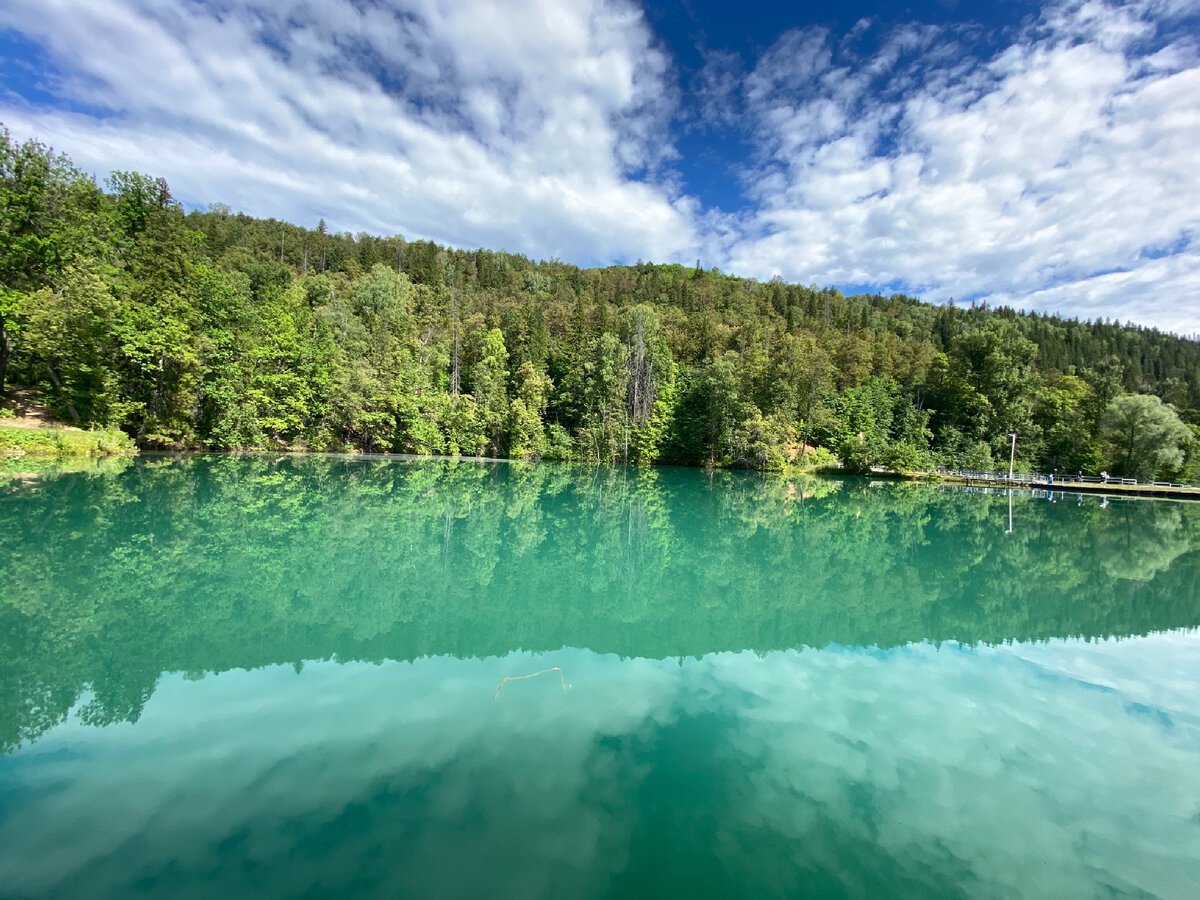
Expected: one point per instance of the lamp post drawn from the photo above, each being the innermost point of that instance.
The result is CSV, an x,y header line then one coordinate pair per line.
x,y
1012,461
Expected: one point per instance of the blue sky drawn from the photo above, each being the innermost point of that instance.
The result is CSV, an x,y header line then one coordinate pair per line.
x,y
1040,155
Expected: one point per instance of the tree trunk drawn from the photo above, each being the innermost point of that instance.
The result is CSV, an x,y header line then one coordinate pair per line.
x,y
455,353
3,357
807,426
58,387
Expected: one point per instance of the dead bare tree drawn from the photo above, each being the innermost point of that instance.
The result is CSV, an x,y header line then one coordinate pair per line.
x,y
641,395
456,351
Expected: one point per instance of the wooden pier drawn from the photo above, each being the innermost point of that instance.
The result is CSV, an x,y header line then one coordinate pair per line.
x,y
1113,488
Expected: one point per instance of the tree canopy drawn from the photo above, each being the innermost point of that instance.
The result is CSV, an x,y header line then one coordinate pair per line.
x,y
218,330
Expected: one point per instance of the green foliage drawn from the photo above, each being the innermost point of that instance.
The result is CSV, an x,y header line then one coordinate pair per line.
x,y
908,458
50,215
709,414
559,445
55,442
762,443
1147,439
984,386
488,378
526,428
816,460
219,330
72,329
874,425
1066,414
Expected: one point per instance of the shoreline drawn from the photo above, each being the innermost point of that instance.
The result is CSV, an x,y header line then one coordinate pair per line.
x,y
64,444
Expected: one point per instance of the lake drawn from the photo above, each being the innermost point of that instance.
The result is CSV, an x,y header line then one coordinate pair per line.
x,y
360,677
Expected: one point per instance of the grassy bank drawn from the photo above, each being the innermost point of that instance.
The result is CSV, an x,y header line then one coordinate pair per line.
x,y
64,442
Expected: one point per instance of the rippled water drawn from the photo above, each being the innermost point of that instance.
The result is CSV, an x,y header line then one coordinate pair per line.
x,y
306,677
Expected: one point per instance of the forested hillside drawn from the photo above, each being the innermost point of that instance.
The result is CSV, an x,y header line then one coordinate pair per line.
x,y
214,329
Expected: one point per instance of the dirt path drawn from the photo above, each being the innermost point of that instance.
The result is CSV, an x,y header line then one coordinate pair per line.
x,y
30,409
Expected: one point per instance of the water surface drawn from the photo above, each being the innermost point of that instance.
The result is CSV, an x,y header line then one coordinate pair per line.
x,y
253,677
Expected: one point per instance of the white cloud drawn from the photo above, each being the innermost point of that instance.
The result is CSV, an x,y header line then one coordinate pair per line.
x,y
1051,176
526,125
714,90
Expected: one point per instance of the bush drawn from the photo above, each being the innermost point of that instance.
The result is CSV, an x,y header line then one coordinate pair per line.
x,y
906,459
54,442
558,444
761,443
816,459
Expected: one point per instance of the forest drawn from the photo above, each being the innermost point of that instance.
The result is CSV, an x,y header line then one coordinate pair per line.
x,y
216,330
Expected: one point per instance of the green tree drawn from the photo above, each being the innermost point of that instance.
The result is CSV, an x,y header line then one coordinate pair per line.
x,y
1146,438
50,215
709,414
526,427
71,332
604,433
860,427
805,384
373,369
488,378
1064,413
984,386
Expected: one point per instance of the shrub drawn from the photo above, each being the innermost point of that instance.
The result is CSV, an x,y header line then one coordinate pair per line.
x,y
64,442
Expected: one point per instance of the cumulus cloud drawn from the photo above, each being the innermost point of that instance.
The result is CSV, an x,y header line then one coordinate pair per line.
x,y
532,125
1057,174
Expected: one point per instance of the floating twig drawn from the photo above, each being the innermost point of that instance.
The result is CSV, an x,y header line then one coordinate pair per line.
x,y
507,678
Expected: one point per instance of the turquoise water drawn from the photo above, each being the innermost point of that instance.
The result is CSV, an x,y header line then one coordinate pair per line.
x,y
246,677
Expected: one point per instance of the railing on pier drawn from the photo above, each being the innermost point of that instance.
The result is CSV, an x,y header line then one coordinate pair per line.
x,y
1045,478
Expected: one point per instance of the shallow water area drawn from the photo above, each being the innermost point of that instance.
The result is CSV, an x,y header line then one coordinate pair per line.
x,y
351,677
